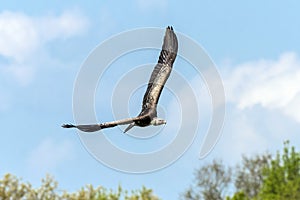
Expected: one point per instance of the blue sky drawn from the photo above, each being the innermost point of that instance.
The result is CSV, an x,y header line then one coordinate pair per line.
x,y
255,46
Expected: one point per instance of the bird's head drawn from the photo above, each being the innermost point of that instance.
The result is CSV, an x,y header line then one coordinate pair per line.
x,y
158,121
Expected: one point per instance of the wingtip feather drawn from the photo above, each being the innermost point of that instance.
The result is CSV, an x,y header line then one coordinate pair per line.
x,y
170,28
68,126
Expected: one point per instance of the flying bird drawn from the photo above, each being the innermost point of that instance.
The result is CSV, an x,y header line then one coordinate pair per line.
x,y
159,76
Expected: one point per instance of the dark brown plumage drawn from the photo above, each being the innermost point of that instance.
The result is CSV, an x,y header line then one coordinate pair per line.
x,y
159,76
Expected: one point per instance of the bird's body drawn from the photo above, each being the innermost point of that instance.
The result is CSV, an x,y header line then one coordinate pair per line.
x,y
159,76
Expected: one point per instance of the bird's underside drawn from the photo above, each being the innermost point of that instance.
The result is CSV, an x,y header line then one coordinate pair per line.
x,y
159,76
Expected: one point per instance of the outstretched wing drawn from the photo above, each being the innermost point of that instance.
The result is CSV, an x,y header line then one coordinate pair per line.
x,y
97,127
162,70
156,83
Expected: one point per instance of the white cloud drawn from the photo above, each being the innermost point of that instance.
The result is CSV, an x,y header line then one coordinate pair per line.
x,y
68,24
23,36
18,35
293,108
49,155
262,107
271,84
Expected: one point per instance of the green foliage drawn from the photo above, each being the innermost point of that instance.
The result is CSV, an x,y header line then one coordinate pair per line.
x,y
282,178
238,196
261,177
249,178
12,188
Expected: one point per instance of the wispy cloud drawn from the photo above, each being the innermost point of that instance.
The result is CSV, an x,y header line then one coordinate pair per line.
x,y
49,155
23,36
261,106
273,84
68,24
18,35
